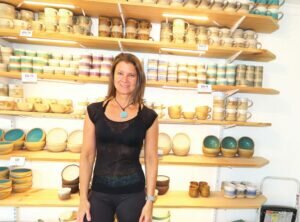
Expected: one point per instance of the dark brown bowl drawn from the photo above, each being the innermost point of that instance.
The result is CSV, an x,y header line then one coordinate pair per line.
x,y
162,189
65,171
162,180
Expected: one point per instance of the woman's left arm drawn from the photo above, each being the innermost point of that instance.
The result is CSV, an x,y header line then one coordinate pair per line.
x,y
151,165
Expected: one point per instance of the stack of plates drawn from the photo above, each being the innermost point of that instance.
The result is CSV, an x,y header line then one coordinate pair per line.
x,y
56,140
70,177
5,188
21,179
35,139
16,136
1,134
75,141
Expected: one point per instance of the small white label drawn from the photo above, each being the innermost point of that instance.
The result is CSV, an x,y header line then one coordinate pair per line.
x,y
202,47
204,88
29,77
17,161
26,33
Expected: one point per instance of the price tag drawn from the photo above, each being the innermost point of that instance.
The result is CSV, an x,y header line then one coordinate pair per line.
x,y
26,33
204,88
29,77
202,47
17,161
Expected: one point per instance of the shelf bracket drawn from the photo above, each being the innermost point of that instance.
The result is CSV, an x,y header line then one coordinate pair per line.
x,y
231,92
229,126
216,23
83,12
20,4
120,46
121,13
237,24
234,57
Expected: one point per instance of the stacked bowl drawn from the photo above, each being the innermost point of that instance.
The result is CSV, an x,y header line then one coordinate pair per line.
x,y
181,144
229,146
35,140
162,184
56,140
15,136
245,147
164,143
70,177
21,179
161,215
6,147
211,146
4,172
75,141
5,188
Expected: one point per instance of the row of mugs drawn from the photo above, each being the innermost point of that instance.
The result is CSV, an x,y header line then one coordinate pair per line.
x,y
239,115
268,10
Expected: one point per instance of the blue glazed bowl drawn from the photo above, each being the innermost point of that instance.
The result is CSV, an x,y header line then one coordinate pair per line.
x,y
1,134
211,142
229,143
35,135
246,143
14,135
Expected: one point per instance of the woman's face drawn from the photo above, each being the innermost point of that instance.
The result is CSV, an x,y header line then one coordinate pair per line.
x,y
125,78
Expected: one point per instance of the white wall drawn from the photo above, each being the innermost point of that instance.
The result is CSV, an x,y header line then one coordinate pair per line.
x,y
278,143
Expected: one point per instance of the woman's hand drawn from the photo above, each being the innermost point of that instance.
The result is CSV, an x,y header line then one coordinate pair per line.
x,y
146,215
84,210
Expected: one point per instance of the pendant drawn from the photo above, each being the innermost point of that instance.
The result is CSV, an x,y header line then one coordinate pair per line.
x,y
123,114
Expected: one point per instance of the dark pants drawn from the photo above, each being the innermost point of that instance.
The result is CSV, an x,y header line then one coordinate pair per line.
x,y
127,207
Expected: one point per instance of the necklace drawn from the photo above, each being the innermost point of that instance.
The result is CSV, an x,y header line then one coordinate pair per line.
x,y
123,113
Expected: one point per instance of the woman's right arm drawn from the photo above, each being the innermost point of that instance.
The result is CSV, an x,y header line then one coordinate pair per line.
x,y
87,159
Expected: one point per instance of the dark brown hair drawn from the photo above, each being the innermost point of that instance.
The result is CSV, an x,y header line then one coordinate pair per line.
x,y
138,93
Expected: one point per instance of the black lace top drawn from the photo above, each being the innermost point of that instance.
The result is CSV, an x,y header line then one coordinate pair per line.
x,y
117,169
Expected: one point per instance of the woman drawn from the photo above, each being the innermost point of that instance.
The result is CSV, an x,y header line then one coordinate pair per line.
x,y
114,132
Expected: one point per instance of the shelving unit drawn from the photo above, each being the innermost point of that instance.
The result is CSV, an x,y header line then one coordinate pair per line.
x,y
264,24
161,121
135,45
154,13
190,160
48,198
104,80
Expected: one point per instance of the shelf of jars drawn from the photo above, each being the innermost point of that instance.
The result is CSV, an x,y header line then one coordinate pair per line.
x,y
157,13
161,121
191,159
135,45
150,83
49,198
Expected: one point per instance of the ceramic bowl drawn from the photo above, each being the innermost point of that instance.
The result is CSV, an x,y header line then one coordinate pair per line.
x,y
70,174
22,187
5,183
76,137
162,180
18,144
34,146
210,152
246,143
1,134
56,147
188,115
74,148
35,135
21,180
25,106
14,135
164,143
181,144
20,173
211,142
229,143
6,147
245,153
162,189
56,136
41,107
64,193
160,214
74,187
5,193
4,172
58,108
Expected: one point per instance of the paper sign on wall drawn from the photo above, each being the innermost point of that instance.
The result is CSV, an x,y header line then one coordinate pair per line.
x,y
29,77
17,161
26,33
204,88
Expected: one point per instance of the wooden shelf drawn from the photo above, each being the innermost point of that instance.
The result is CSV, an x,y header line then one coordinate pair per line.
x,y
154,13
134,45
48,198
161,121
104,80
190,160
